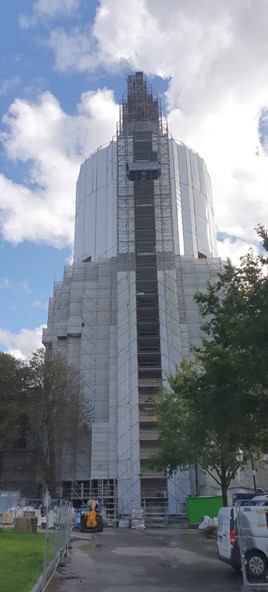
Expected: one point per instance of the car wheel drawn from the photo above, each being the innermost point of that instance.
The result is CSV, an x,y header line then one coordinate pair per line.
x,y
256,564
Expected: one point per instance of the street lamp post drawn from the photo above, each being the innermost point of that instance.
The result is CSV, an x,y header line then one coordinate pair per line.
x,y
239,458
253,471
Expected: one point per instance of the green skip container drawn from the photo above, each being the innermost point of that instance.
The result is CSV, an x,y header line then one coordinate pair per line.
x,y
198,507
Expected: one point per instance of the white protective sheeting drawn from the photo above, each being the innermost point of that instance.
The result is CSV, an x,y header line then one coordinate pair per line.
x,y
97,214
96,207
128,401
92,316
194,231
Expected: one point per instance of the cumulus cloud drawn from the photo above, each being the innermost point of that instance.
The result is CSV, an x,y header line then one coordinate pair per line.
x,y
48,9
214,56
22,344
263,130
75,51
52,145
235,248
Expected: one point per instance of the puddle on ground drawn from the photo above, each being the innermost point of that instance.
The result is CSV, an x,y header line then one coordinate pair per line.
x,y
173,543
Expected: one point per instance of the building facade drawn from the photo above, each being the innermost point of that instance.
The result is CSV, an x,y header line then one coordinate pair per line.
x,y
124,314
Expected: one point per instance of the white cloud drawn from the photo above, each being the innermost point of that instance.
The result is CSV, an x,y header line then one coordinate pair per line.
x,y
22,344
18,287
73,52
52,145
234,249
263,130
7,85
48,9
5,283
56,7
215,55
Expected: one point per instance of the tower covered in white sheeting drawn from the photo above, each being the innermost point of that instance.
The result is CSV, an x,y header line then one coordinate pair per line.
x,y
124,313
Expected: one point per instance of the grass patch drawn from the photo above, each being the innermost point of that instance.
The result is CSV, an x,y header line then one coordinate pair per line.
x,y
21,560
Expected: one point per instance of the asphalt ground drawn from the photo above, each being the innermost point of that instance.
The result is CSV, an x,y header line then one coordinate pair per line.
x,y
124,560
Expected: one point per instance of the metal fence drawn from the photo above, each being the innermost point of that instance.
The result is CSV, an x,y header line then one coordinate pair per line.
x,y
252,526
157,512
53,520
59,524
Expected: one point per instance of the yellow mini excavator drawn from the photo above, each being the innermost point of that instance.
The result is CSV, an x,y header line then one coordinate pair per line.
x,y
91,519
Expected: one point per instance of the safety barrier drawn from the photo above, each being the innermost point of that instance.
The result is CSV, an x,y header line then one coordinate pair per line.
x,y
54,520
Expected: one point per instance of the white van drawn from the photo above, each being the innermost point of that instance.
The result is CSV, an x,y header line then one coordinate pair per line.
x,y
253,520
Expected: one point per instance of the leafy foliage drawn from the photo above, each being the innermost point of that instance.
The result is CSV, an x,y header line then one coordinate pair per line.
x,y
218,402
42,401
12,380
58,414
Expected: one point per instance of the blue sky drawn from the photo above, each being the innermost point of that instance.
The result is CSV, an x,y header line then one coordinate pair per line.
x,y
63,70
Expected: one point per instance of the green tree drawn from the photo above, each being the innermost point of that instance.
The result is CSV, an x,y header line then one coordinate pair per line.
x,y
218,403
235,343
190,431
12,381
58,414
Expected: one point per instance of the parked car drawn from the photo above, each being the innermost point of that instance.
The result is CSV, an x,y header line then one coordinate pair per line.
x,y
253,522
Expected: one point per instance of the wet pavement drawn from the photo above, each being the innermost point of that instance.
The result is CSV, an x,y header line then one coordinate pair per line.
x,y
124,560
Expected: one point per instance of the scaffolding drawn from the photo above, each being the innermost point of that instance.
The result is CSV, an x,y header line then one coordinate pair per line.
x,y
144,229
102,490
129,302
140,109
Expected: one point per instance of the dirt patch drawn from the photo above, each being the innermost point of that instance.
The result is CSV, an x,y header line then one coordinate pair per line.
x,y
54,585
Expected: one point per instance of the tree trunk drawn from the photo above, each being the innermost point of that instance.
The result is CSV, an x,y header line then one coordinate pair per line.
x,y
48,472
224,488
52,490
52,477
